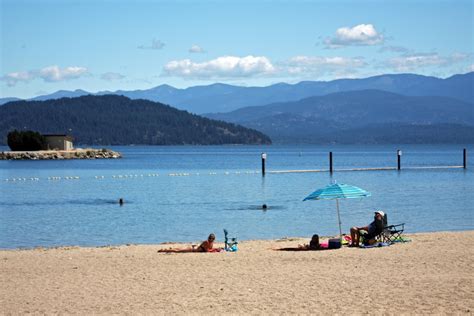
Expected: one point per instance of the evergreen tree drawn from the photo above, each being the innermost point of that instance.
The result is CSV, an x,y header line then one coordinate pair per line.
x,y
26,141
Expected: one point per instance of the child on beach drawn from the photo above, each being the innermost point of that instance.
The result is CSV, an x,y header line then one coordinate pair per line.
x,y
205,246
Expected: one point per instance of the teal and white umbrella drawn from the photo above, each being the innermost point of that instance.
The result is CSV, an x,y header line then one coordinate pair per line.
x,y
335,192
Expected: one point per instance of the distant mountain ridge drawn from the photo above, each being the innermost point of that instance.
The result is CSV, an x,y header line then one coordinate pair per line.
x,y
118,120
61,94
347,117
363,107
216,98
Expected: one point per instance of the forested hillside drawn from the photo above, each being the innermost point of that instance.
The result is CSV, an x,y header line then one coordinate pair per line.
x,y
367,116
118,120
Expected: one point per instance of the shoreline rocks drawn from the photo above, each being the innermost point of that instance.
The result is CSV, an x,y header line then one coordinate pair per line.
x,y
88,153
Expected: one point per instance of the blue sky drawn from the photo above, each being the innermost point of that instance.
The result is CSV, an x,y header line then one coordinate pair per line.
x,y
109,45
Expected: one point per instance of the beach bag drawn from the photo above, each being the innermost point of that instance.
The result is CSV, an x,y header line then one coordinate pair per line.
x,y
334,243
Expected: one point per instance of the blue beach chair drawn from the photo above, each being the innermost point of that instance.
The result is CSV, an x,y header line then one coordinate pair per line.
x,y
230,243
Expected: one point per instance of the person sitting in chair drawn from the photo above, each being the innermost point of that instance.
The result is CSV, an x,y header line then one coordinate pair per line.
x,y
205,246
373,230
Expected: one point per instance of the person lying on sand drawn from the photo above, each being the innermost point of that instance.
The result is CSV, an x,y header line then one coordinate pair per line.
x,y
313,245
205,246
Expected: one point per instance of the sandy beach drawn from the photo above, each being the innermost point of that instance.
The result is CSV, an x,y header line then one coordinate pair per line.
x,y
431,274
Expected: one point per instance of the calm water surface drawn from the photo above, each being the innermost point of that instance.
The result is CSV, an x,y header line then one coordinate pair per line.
x,y
184,193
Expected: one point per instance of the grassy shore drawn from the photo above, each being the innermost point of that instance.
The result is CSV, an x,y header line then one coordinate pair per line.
x,y
431,274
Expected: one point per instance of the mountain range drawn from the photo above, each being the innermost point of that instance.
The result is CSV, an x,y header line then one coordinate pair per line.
x,y
220,97
382,109
364,116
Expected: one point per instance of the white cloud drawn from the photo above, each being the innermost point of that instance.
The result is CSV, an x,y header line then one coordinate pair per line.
x,y
196,49
155,44
48,74
109,76
318,66
470,67
359,35
54,73
412,62
14,77
221,67
231,67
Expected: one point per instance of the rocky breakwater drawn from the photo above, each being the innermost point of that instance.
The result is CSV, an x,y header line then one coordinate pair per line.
x,y
88,153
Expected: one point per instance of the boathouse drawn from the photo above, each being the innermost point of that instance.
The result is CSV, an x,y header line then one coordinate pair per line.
x,y
59,142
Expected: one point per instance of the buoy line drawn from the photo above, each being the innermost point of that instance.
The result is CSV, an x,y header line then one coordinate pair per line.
x,y
126,176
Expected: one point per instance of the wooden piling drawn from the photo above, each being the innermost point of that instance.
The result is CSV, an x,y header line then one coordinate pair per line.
x,y
330,162
464,158
264,158
399,154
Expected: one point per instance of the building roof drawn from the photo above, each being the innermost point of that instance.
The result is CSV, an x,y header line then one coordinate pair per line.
x,y
67,137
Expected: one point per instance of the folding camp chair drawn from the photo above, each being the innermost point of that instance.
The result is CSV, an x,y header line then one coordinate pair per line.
x,y
230,243
392,233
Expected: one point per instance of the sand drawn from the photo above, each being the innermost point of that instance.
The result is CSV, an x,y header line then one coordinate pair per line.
x,y
432,274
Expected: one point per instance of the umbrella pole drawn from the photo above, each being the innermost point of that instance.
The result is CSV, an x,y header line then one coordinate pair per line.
x,y
339,219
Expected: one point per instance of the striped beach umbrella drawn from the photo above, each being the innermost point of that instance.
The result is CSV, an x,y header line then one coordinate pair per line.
x,y
338,191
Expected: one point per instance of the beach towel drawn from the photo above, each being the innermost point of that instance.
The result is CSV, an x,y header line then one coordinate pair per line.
x,y
401,239
346,241
324,245
216,250
377,244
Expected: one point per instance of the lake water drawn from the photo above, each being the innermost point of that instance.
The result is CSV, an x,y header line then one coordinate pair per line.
x,y
184,193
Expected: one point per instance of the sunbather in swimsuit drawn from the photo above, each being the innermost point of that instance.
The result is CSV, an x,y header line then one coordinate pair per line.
x,y
313,245
205,246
